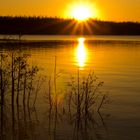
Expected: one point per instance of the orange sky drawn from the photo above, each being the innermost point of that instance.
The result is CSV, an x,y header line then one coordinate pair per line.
x,y
114,10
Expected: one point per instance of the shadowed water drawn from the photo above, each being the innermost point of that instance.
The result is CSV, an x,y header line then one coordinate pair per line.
x,y
62,65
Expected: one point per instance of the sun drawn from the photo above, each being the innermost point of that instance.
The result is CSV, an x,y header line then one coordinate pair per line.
x,y
81,13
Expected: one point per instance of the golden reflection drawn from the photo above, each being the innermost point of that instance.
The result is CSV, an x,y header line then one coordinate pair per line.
x,y
81,53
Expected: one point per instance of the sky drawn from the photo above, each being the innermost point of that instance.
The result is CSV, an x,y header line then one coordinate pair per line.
x,y
112,10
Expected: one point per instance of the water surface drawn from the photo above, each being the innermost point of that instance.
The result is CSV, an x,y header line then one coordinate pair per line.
x,y
116,64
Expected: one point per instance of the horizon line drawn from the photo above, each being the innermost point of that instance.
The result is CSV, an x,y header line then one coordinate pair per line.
x,y
64,18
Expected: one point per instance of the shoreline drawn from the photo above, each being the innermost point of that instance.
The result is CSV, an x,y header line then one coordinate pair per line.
x,y
47,42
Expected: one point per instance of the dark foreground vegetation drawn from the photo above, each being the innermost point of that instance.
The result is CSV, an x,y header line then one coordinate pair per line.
x,y
21,89
58,26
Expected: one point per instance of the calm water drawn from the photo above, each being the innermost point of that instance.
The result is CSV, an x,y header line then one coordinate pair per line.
x,y
116,64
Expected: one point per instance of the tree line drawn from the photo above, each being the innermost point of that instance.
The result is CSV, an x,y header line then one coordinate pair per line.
x,y
59,26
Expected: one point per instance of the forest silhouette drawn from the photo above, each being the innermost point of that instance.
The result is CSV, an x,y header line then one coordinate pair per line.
x,y
59,26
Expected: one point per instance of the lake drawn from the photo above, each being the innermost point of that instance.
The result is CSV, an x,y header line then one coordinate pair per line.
x,y
115,60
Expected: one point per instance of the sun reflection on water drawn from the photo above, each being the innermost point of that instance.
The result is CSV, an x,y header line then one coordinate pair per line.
x,y
81,53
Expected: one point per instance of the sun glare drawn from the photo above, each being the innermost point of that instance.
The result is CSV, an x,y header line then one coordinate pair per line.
x,y
81,13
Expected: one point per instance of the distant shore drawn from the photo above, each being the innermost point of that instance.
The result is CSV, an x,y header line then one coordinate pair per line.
x,y
58,26
14,42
